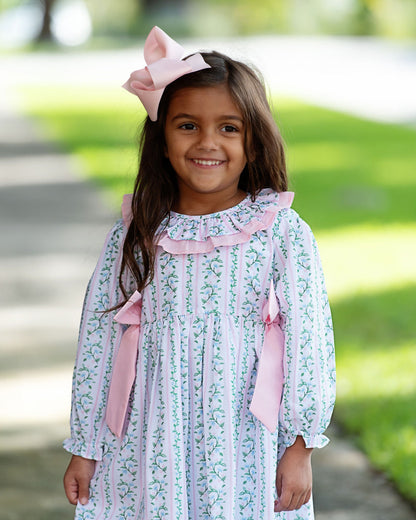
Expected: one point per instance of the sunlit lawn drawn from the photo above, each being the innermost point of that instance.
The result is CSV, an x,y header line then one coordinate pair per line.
x,y
355,183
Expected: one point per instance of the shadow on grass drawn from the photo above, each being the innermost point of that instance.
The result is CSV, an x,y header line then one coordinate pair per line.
x,y
346,170
105,141
376,379
376,321
97,128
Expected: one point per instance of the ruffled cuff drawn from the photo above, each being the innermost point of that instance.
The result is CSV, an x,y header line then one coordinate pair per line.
x,y
311,441
80,448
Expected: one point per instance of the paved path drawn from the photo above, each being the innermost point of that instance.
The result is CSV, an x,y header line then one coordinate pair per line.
x,y
52,226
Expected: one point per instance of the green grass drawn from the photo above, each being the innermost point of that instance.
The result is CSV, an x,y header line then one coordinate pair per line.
x,y
355,184
376,379
100,127
348,171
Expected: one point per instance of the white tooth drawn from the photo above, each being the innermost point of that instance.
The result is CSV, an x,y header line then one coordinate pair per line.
x,y
207,163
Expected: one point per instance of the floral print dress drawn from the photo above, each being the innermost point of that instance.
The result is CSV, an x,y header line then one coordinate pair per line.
x,y
191,448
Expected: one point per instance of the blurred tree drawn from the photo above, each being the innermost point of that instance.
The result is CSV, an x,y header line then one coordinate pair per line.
x,y
154,6
8,4
127,18
171,15
363,22
240,17
113,19
45,33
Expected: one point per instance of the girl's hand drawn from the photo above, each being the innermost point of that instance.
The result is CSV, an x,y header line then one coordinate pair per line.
x,y
294,477
77,479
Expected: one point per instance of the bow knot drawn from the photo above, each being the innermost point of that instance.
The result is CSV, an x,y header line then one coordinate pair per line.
x,y
163,57
271,309
166,70
130,313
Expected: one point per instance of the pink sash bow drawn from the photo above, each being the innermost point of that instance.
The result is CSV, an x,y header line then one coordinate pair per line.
x,y
124,369
265,403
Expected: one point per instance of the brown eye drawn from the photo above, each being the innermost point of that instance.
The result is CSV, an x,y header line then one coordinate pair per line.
x,y
229,128
188,126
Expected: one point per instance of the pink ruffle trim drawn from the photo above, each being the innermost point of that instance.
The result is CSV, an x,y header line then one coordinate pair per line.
x,y
126,209
183,247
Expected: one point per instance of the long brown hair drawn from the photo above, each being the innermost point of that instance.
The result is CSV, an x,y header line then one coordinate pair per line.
x,y
156,190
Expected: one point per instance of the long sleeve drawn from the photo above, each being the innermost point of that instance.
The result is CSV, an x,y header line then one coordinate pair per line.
x,y
99,337
309,360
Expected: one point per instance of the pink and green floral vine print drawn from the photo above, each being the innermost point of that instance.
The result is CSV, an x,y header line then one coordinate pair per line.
x,y
192,450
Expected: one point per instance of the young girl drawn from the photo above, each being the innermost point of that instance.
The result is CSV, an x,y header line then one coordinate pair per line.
x,y
203,396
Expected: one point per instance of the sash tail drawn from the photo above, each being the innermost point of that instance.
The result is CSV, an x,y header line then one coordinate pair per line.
x,y
267,395
124,369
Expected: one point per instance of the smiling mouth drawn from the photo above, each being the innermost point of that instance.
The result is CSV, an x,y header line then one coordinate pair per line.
x,y
207,162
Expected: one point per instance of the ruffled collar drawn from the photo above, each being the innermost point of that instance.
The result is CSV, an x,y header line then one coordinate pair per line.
x,y
184,234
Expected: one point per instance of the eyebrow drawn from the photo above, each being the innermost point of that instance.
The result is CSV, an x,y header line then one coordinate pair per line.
x,y
183,115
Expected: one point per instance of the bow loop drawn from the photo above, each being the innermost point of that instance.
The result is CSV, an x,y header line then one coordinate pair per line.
x,y
271,309
163,57
159,45
139,80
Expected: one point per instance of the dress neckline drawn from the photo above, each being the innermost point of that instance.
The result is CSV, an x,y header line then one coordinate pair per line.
x,y
188,234
221,213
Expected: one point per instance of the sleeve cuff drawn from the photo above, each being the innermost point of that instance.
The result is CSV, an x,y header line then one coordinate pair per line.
x,y
88,451
311,441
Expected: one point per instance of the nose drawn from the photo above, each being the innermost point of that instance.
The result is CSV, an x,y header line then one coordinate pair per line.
x,y
207,140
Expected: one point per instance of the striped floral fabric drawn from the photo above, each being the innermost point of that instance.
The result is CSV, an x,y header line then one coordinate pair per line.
x,y
191,448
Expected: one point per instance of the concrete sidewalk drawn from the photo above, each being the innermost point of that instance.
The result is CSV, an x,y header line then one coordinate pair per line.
x,y
52,226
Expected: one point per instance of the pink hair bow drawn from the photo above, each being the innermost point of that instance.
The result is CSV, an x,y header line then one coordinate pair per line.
x,y
124,369
163,57
265,403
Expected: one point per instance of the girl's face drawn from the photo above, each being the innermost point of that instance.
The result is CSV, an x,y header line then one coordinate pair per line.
x,y
204,134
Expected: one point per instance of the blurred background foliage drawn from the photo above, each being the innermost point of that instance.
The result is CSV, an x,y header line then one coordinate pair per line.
x,y
102,20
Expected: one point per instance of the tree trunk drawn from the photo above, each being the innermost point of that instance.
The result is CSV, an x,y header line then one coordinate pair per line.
x,y
45,33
